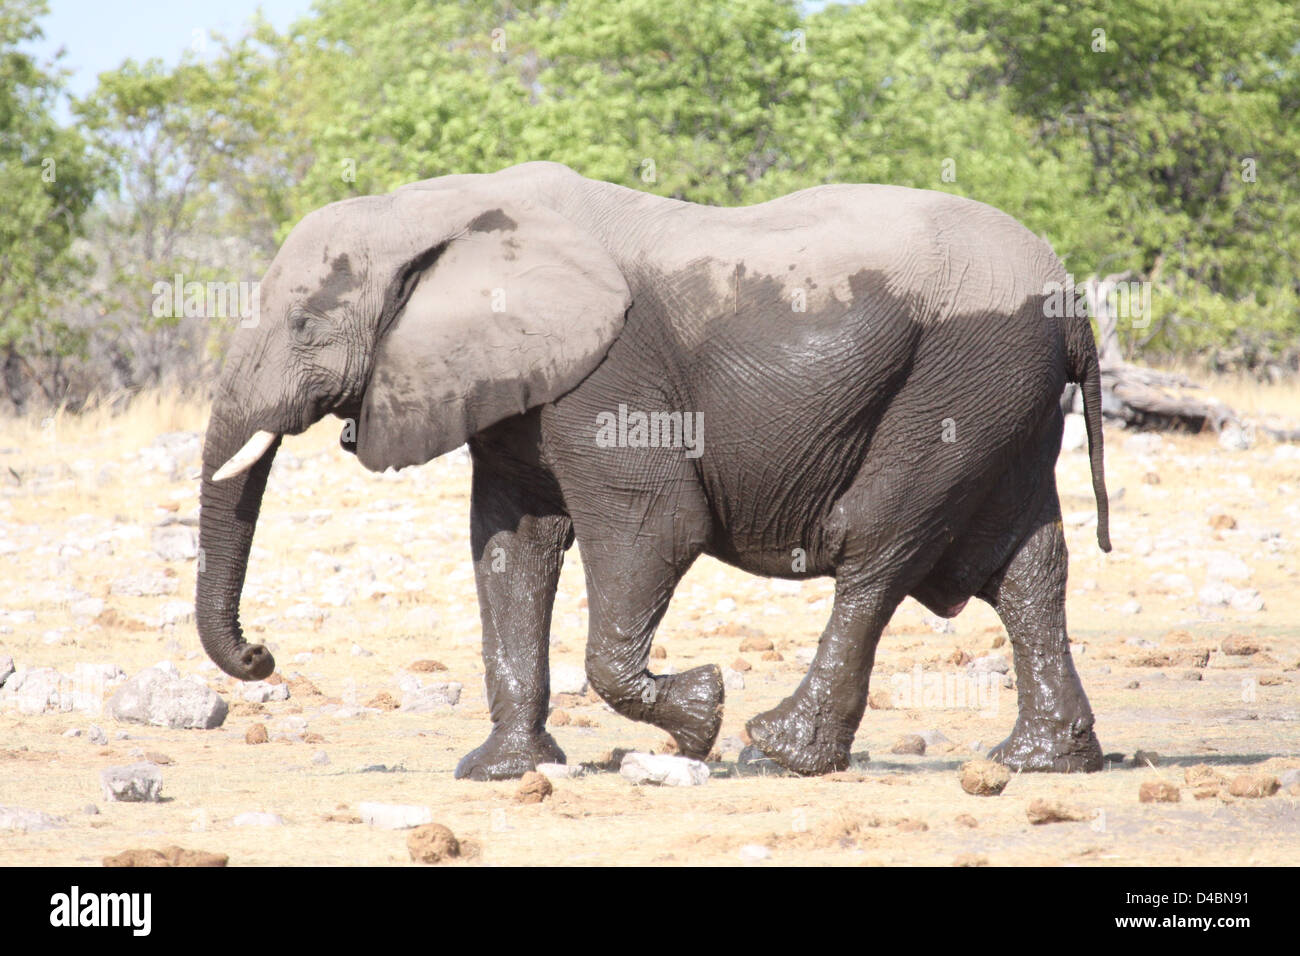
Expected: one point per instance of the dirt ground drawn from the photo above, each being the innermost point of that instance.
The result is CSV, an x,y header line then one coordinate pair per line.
x,y
346,558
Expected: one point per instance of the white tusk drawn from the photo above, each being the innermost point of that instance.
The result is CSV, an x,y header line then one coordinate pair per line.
x,y
247,456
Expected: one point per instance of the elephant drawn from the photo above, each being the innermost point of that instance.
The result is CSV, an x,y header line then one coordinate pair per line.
x,y
864,377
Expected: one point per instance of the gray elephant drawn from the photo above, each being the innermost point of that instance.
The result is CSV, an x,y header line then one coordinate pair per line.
x,y
865,378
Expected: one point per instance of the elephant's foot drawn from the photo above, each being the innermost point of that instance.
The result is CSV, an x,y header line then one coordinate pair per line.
x,y
802,738
1049,748
689,706
509,753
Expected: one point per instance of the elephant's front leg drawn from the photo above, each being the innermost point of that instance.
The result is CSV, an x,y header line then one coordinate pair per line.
x,y
519,536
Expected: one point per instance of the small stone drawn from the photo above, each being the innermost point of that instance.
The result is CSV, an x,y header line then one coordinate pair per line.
x,y
90,810
772,656
162,760
432,843
1193,675
427,667
966,820
136,783
559,771
909,744
1053,811
1222,522
733,680
1254,785
1158,791
175,542
754,853
160,699
984,778
990,664
383,701
96,736
260,692
255,819
432,697
756,643
320,758
359,651
1201,774
1146,758
28,821
534,787
256,734
394,816
72,732
145,584
913,826
6,668
970,859
663,769
742,665
657,653
568,679
1132,685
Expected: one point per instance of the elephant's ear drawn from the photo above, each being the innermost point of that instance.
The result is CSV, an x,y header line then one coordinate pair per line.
x,y
516,310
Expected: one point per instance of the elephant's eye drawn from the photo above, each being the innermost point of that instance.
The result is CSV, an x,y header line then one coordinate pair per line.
x,y
303,325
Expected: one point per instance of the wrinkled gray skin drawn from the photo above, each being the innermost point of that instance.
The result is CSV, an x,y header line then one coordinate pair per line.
x,y
878,376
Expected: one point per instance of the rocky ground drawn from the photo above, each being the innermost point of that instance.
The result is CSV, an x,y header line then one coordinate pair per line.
x,y
1186,639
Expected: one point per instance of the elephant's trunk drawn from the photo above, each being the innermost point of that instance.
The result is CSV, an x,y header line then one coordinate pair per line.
x,y
227,518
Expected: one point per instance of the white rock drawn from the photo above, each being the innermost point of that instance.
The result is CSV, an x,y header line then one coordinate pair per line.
x,y
940,625
72,732
257,820
259,692
431,697
782,586
6,668
1217,594
559,771
1248,600
1235,438
28,821
933,738
1225,566
137,783
754,853
663,769
175,542
394,816
87,607
805,655
96,735
1131,607
732,679
175,612
41,690
144,584
568,679
303,658
725,606
164,700
320,758
359,651
989,664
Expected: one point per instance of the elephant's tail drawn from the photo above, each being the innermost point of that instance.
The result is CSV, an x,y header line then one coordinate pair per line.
x,y
1081,349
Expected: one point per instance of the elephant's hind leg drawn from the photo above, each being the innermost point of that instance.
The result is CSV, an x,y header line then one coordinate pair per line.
x,y
1054,727
811,731
519,534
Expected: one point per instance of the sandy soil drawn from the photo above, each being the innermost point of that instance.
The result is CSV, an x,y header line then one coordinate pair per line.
x,y
344,558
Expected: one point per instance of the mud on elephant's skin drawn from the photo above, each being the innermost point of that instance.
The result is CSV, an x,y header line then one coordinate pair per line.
x,y
872,374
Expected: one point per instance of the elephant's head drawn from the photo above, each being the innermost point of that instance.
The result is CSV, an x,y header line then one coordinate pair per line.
x,y
420,317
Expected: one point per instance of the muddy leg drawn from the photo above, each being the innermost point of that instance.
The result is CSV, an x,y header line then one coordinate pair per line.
x,y
1053,731
519,536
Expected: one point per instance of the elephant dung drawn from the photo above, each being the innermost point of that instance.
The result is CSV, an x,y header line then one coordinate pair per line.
x,y
137,783
1158,791
534,787
161,699
1254,785
432,843
984,778
909,744
663,769
1053,811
